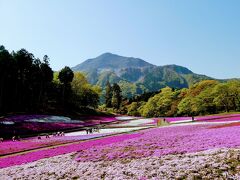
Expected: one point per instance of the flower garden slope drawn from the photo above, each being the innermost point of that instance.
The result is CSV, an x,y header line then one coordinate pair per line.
x,y
164,141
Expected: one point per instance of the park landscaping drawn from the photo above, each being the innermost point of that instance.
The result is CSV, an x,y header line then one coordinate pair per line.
x,y
206,148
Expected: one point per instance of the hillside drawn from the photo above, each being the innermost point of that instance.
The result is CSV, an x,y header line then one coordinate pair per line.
x,y
135,75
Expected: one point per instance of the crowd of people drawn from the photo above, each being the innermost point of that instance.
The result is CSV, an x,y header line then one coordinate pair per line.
x,y
55,134
92,130
14,138
47,136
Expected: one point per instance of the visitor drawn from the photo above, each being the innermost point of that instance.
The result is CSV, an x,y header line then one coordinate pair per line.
x,y
1,140
14,138
47,136
39,137
62,134
98,129
192,118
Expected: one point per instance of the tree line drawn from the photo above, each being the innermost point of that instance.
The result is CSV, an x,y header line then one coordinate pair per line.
x,y
205,97
28,84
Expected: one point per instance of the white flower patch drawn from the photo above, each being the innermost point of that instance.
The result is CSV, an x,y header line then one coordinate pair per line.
x,y
106,131
182,121
52,119
124,118
7,122
210,164
136,122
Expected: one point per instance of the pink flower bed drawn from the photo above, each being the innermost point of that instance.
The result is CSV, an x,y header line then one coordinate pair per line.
x,y
98,119
227,125
220,119
214,118
8,147
217,118
164,141
33,156
154,142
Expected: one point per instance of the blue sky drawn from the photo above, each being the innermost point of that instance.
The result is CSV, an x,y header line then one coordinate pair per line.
x,y
203,35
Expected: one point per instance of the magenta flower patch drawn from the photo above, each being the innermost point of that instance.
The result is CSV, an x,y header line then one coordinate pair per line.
x,y
40,154
163,141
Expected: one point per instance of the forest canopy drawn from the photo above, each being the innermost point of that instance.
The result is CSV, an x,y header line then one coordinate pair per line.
x,y
205,97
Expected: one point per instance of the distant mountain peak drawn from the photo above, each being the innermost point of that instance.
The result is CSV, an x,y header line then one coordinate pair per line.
x,y
112,62
107,54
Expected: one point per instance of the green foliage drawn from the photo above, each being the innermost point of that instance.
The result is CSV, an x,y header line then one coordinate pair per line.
x,y
108,96
84,94
29,84
205,97
161,104
25,81
185,107
198,99
117,96
222,97
65,75
133,109
113,97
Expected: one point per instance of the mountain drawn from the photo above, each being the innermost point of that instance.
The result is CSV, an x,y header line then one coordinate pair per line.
x,y
111,62
135,75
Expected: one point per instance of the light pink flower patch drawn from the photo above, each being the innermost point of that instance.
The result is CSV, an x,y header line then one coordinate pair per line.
x,y
8,147
214,118
163,141
33,156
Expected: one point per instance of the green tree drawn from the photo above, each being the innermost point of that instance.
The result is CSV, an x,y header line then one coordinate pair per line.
x,y
185,107
84,94
108,95
46,80
117,96
222,97
7,80
27,73
234,93
66,76
133,109
162,104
